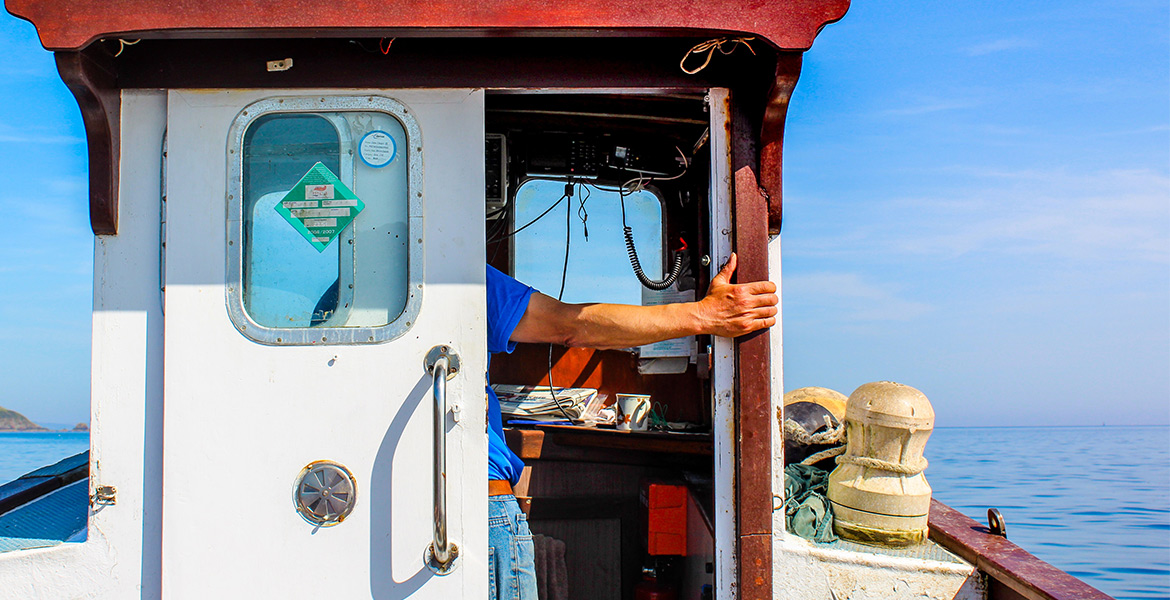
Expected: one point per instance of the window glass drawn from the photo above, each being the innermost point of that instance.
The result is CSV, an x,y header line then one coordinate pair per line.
x,y
360,277
599,268
285,278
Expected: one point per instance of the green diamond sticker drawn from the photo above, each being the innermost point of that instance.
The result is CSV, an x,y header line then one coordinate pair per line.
x,y
319,206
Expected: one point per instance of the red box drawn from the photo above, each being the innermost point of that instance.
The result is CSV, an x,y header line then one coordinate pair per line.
x,y
666,507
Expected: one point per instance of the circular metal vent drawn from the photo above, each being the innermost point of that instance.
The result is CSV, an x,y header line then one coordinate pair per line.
x,y
325,493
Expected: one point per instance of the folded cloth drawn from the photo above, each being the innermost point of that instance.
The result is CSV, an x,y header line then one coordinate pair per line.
x,y
806,508
552,580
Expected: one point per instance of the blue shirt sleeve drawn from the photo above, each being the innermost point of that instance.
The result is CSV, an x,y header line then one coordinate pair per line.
x,y
507,299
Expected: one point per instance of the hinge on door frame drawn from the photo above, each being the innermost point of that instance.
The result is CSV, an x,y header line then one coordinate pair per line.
x,y
104,495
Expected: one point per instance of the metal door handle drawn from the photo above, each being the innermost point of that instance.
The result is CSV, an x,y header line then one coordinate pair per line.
x,y
442,363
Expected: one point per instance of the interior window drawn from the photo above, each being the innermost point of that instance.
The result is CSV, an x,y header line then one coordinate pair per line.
x,y
589,228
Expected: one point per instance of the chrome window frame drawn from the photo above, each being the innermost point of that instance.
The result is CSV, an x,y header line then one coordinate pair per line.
x,y
306,336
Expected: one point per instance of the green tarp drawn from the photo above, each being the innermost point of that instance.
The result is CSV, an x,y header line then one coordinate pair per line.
x,y
806,508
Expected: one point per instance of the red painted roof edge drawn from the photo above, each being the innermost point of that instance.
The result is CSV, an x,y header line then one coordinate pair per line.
x,y
71,25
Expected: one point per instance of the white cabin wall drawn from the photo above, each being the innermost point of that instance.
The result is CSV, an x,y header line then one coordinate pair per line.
x,y
120,557
126,436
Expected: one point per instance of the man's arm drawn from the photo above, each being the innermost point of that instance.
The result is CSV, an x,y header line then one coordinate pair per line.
x,y
728,310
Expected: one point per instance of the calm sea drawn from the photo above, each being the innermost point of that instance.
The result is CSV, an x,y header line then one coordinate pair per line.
x,y
21,452
1094,501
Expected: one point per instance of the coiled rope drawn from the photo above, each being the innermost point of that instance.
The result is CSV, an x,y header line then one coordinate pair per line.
x,y
837,435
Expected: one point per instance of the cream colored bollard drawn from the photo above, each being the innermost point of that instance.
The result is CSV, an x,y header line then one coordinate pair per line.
x,y
878,491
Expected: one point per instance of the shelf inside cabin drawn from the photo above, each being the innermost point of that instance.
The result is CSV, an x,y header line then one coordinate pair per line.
x,y
590,444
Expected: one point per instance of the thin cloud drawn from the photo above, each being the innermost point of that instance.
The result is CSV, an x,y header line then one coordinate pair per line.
x,y
930,107
1095,218
850,297
32,72
999,45
49,208
40,139
1139,131
12,134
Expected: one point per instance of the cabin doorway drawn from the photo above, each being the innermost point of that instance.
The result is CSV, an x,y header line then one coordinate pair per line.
x,y
568,171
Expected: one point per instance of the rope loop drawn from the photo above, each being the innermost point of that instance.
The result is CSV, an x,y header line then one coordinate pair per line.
x,y
122,46
823,454
876,463
710,46
793,431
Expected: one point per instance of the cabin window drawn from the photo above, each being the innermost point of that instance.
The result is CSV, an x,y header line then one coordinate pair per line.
x,y
287,282
598,266
326,213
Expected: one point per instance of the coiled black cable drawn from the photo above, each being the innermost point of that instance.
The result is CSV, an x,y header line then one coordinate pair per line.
x,y
666,282
646,282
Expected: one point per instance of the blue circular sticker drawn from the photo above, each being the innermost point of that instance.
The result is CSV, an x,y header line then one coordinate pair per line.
x,y
377,148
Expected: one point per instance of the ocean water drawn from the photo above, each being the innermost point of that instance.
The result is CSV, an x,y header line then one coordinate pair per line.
x,y
21,452
1094,501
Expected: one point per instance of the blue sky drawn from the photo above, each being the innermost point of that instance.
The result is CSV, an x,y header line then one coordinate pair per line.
x,y
977,202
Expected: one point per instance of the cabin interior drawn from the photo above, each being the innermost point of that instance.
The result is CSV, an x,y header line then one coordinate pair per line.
x,y
591,487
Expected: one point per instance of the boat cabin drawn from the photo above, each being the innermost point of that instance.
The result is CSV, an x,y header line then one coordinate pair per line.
x,y
293,207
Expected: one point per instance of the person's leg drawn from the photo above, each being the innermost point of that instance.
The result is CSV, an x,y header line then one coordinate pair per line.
x,y
511,558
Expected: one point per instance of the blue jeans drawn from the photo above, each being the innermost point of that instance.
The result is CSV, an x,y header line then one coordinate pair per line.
x,y
511,557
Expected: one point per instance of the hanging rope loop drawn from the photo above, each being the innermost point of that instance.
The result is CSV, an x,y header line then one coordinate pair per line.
x,y
122,46
725,45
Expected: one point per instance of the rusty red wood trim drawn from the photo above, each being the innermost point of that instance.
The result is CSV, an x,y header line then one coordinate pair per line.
x,y
755,567
93,83
68,24
754,366
1003,561
753,404
772,135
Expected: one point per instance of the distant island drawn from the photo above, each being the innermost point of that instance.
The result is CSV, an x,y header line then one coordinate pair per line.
x,y
10,420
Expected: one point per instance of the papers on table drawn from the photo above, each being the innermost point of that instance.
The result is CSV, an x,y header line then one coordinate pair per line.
x,y
539,403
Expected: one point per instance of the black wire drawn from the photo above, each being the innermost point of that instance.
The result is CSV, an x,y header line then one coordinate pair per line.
x,y
497,227
564,276
501,221
568,233
583,195
508,235
622,198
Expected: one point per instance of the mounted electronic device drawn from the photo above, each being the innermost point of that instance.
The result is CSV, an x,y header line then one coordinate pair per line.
x,y
495,174
602,159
